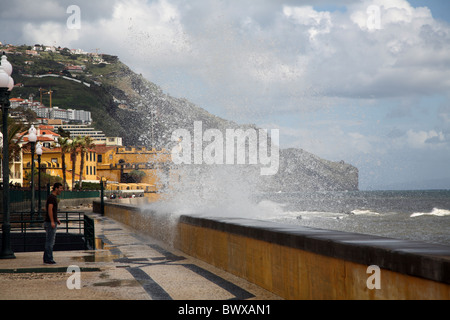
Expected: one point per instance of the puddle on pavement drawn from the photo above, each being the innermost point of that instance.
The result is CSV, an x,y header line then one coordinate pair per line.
x,y
118,283
99,244
101,256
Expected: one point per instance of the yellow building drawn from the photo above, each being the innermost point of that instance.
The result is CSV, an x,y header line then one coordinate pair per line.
x,y
51,163
116,164
119,166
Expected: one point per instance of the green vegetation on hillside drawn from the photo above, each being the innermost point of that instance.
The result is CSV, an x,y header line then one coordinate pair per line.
x,y
68,94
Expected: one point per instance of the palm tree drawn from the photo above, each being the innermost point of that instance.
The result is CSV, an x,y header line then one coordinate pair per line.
x,y
65,148
73,149
14,139
85,144
14,128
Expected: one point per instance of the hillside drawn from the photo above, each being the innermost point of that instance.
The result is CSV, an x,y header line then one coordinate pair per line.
x,y
120,99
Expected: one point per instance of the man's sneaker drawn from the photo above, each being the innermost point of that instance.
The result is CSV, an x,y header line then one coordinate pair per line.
x,y
50,262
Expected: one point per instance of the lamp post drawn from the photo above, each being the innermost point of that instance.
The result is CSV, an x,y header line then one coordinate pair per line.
x,y
32,138
39,154
1,146
6,85
102,197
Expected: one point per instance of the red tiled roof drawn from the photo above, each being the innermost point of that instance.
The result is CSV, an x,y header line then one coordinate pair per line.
x,y
39,138
27,149
46,127
102,148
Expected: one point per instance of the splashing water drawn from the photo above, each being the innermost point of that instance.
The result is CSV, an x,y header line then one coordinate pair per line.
x,y
229,191
218,191
205,191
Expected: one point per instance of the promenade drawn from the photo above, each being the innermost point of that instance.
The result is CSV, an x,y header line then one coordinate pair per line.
x,y
128,266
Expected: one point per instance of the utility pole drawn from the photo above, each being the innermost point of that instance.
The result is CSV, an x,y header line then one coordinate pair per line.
x,y
50,93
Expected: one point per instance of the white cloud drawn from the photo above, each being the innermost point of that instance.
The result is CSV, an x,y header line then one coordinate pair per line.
x,y
50,33
317,22
31,10
271,50
301,52
426,139
333,141
153,32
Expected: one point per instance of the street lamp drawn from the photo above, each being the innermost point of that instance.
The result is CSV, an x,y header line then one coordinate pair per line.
x,y
6,85
39,154
32,138
1,146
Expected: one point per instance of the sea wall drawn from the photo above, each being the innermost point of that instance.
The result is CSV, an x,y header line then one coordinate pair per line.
x,y
302,263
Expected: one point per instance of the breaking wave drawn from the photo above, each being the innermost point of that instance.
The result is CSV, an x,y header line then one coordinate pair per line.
x,y
435,212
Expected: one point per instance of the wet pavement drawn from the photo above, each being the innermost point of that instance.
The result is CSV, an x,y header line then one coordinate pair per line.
x,y
126,266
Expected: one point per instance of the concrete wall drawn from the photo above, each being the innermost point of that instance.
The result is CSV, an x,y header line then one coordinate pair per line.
x,y
303,263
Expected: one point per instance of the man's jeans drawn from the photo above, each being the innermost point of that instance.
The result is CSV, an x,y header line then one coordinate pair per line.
x,y
49,241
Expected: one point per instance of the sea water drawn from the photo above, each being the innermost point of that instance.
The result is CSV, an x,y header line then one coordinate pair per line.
x,y
228,191
422,215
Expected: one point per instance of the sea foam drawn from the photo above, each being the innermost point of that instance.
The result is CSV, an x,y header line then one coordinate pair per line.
x,y
435,212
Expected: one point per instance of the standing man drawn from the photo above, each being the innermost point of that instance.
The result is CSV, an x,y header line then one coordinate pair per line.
x,y
51,221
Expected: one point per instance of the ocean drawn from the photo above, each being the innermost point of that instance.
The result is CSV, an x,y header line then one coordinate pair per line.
x,y
414,215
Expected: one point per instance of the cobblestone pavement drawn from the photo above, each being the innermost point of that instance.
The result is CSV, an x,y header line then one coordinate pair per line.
x,y
130,266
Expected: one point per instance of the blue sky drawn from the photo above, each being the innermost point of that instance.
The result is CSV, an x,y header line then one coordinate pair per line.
x,y
333,79
439,8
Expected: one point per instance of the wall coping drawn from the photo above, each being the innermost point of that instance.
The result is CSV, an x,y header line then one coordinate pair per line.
x,y
415,258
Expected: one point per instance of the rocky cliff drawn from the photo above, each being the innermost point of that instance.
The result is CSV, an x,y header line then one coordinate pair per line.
x,y
302,171
298,169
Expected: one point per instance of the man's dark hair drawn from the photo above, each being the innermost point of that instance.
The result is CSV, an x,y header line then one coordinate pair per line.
x,y
57,185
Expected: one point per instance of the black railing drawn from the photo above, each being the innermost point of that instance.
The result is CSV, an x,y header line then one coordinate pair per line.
x,y
89,232
76,232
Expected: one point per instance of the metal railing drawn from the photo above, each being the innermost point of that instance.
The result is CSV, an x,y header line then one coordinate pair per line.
x,y
75,232
89,232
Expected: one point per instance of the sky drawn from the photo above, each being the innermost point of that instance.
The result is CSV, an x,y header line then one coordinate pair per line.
x,y
364,81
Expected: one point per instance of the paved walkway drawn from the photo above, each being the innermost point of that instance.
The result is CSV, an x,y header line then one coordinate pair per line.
x,y
129,266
